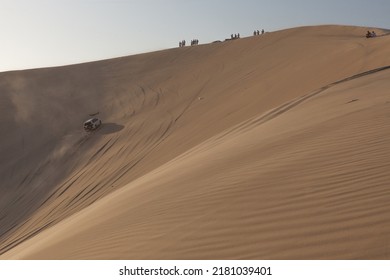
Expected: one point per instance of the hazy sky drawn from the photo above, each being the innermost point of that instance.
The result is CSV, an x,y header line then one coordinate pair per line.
x,y
40,33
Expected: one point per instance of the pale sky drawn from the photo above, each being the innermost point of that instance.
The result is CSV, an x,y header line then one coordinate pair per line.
x,y
44,33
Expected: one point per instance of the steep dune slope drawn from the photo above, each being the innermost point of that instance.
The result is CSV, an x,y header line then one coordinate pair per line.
x,y
255,148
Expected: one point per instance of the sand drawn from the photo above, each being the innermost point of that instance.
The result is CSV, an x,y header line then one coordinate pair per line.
x,y
269,147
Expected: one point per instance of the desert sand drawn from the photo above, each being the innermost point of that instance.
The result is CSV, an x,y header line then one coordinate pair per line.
x,y
268,147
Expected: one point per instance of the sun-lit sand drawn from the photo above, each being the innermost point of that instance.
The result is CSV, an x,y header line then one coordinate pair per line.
x,y
268,147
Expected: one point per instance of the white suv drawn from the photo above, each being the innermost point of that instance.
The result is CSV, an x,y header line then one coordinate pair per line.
x,y
92,124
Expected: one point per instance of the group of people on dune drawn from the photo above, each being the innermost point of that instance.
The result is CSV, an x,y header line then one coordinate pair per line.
x,y
235,36
257,32
193,43
370,34
182,43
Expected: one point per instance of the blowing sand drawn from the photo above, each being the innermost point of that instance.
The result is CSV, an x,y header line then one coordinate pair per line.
x,y
270,147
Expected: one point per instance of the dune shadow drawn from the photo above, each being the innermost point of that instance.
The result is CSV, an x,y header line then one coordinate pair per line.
x,y
109,128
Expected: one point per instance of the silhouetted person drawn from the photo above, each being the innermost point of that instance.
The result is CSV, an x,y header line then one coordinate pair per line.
x,y
262,31
258,32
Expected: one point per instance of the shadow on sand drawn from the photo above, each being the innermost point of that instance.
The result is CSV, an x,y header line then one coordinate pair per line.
x,y
109,128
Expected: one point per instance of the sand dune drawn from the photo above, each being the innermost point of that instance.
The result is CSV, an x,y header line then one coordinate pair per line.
x,y
269,147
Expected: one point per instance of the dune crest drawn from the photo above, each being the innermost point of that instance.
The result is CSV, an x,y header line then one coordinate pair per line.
x,y
269,147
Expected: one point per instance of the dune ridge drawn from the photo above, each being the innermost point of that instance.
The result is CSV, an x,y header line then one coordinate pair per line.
x,y
269,147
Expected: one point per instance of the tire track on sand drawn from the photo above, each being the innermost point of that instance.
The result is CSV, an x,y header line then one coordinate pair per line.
x,y
273,113
294,103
